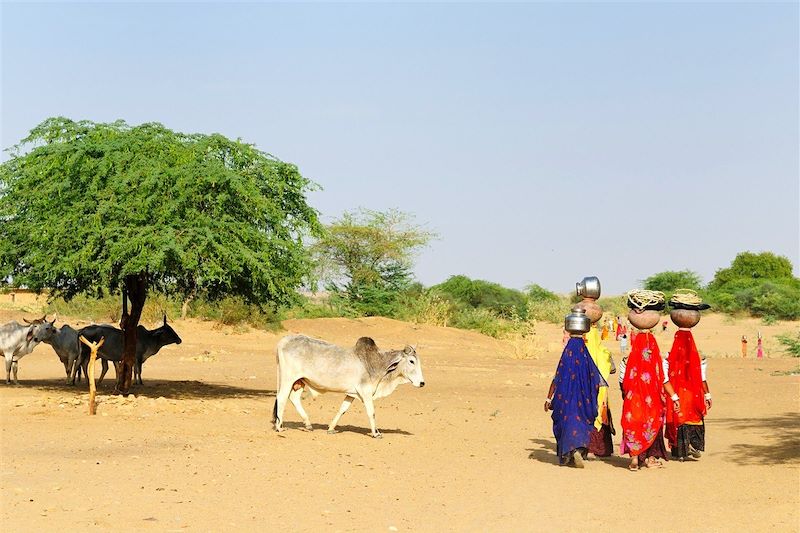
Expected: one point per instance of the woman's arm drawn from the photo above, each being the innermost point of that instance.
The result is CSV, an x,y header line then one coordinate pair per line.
x,y
548,403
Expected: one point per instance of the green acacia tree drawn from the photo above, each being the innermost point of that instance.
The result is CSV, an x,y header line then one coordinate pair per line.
x,y
106,207
670,280
366,257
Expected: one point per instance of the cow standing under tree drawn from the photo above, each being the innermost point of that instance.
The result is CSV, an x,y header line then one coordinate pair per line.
x,y
360,372
68,349
148,343
17,341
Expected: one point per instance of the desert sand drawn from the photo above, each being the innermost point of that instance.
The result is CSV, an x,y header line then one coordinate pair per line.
x,y
193,450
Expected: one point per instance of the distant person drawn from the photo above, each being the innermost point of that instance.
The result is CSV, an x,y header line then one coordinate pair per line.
x,y
663,326
623,345
620,330
759,348
604,332
615,328
744,346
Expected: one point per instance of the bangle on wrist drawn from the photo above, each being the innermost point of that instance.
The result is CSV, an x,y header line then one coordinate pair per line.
x,y
548,400
674,397
708,396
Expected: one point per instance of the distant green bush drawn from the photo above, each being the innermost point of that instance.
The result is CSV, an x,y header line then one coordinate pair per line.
x,y
108,308
776,298
757,284
791,343
547,310
479,294
537,293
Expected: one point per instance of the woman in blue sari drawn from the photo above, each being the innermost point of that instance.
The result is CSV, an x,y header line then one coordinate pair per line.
x,y
573,400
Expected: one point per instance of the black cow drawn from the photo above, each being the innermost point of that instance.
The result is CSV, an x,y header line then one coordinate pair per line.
x,y
148,343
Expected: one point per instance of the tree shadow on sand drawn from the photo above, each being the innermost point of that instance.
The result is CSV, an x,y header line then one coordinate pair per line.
x,y
177,390
780,435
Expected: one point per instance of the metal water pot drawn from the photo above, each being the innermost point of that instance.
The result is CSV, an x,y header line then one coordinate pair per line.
x,y
577,323
588,287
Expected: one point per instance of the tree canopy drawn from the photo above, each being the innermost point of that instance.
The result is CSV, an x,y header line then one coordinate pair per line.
x,y
91,207
749,265
86,204
670,280
366,256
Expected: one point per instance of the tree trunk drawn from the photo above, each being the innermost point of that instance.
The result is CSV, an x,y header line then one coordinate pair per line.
x,y
135,290
185,305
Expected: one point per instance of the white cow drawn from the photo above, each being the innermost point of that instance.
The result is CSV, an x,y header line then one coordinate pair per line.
x,y
17,341
360,372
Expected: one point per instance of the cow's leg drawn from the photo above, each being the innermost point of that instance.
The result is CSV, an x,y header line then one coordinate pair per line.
x,y
73,371
370,408
284,390
8,371
103,372
295,396
348,401
137,373
15,367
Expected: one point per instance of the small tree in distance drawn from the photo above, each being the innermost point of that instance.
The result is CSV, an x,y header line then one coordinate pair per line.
x,y
670,280
366,257
91,207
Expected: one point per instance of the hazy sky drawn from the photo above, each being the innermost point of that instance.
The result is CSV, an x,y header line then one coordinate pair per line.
x,y
542,142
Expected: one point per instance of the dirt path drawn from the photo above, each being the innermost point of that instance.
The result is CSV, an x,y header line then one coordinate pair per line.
x,y
473,450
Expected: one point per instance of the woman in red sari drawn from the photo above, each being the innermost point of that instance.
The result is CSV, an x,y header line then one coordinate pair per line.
x,y
643,385
686,431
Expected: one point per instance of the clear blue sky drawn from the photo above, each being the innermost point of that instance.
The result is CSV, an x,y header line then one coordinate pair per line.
x,y
542,142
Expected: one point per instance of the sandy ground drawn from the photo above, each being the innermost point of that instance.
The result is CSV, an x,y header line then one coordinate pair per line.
x,y
192,450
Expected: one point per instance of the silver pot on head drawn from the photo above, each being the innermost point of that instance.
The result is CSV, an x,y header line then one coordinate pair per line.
x,y
576,322
588,287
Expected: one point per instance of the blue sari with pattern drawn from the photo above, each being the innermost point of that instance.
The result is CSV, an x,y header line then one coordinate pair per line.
x,y
574,405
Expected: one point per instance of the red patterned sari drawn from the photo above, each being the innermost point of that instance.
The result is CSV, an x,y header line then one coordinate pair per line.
x,y
686,378
644,405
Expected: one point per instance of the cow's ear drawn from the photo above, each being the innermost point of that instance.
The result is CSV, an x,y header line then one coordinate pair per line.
x,y
29,336
393,365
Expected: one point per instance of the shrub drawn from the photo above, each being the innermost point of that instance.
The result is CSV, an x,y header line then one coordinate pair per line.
x,y
235,311
791,343
480,294
777,298
552,311
429,307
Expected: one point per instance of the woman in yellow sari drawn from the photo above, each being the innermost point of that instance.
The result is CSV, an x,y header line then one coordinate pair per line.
x,y
600,444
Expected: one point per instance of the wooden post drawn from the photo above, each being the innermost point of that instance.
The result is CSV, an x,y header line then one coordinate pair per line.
x,y
92,358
